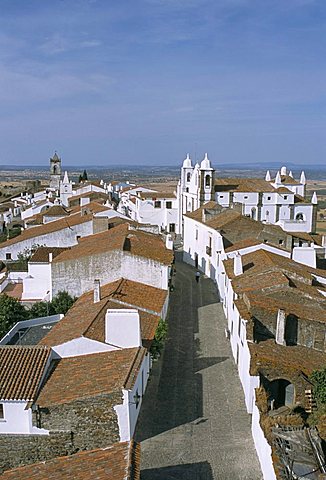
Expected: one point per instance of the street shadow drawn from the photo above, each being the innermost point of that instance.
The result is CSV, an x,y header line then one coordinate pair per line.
x,y
174,395
188,471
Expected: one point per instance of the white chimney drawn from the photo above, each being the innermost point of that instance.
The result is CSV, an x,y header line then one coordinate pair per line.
x,y
237,264
291,174
122,328
268,176
283,171
303,178
278,180
314,199
97,291
280,327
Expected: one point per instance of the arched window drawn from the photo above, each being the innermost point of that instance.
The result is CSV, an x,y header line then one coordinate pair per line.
x,y
55,169
188,176
253,213
300,217
267,215
207,181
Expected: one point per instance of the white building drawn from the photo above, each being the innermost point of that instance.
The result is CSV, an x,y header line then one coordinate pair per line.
x,y
280,201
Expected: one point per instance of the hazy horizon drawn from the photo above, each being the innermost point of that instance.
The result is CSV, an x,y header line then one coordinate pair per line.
x,y
143,82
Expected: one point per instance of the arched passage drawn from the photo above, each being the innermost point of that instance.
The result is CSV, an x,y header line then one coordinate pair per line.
x,y
281,393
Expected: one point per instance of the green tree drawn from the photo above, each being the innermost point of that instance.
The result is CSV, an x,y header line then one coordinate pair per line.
x,y
62,302
159,339
11,312
318,378
84,176
41,309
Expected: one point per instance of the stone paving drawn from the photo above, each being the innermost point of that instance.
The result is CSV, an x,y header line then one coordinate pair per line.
x,y
193,422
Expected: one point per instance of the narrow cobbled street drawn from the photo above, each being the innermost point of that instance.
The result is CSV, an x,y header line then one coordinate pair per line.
x,y
193,423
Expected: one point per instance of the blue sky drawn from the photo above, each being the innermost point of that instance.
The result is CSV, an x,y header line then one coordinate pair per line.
x,y
146,81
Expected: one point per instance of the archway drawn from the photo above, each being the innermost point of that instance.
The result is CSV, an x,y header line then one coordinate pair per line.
x,y
281,393
253,213
300,217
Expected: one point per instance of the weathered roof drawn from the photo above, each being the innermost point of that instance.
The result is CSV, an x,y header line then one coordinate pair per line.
x,y
85,376
56,225
42,254
243,185
21,370
271,281
120,461
86,318
136,242
269,354
56,211
157,195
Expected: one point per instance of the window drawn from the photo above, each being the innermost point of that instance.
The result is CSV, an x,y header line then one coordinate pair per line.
x,y
269,198
285,197
207,181
172,227
245,197
280,242
8,256
188,177
196,234
157,204
2,413
168,205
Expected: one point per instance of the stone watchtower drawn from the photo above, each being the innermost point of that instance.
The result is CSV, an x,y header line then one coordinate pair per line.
x,y
55,171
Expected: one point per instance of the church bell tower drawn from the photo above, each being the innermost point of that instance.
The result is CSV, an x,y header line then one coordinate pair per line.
x,y
55,171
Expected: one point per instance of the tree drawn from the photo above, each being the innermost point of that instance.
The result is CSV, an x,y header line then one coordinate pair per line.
x,y
11,312
318,378
159,339
62,302
41,309
84,176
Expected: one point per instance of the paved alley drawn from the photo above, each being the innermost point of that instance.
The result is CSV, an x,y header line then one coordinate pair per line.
x,y
193,423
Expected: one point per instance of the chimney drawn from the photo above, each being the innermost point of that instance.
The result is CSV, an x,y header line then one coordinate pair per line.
x,y
283,171
97,291
50,257
268,176
237,264
122,328
280,327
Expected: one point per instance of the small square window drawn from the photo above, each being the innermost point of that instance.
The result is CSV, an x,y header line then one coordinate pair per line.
x,y
280,242
157,204
269,198
169,205
285,197
8,256
2,413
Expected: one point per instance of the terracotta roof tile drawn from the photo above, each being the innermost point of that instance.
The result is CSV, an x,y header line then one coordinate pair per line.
x,y
87,318
85,376
42,254
155,195
50,227
121,237
56,211
21,370
120,461
243,185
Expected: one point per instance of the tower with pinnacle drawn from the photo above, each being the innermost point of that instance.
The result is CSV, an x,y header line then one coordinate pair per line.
x,y
55,171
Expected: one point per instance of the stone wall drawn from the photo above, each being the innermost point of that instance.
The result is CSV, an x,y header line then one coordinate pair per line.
x,y
18,450
85,424
92,421
309,334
